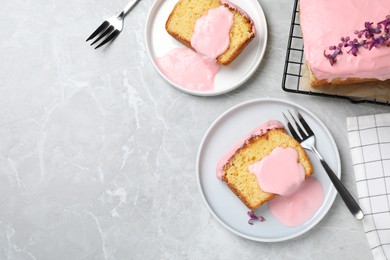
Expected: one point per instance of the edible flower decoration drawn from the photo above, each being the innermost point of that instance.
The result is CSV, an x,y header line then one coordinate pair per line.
x,y
371,36
253,217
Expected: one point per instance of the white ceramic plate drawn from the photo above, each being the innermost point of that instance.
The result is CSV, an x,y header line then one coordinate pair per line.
x,y
159,42
223,203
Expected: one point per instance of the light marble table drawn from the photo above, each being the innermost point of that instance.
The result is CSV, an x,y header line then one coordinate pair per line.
x,y
97,151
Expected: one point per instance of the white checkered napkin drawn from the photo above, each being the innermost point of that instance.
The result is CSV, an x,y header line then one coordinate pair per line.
x,y
369,140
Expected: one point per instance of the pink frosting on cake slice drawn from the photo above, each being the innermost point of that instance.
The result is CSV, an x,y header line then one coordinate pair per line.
x,y
324,22
258,131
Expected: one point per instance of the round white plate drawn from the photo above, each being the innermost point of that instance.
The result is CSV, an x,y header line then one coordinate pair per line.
x,y
223,203
159,42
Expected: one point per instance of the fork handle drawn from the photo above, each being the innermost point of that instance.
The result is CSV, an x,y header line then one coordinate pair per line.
x,y
129,6
352,205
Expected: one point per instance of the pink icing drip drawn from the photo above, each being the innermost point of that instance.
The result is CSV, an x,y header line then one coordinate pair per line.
x,y
279,172
258,131
211,32
342,19
299,207
188,69
211,38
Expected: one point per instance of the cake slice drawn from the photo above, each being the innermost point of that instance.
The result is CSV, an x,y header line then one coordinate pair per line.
x,y
233,168
181,23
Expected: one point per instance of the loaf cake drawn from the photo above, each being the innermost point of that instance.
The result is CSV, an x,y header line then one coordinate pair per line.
x,y
342,41
182,20
233,167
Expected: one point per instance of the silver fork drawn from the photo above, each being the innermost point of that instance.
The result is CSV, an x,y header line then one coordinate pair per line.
x,y
307,140
111,27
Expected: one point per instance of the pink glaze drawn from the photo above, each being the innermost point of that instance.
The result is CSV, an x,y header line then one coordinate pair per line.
x,y
188,69
197,70
323,23
299,207
258,131
211,32
279,172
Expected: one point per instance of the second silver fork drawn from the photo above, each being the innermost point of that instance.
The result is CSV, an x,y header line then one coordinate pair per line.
x,y
111,27
307,139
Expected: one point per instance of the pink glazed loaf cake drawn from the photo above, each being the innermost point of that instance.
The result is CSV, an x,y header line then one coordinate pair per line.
x,y
265,163
183,20
346,41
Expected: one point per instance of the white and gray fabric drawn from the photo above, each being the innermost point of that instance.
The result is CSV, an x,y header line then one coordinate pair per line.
x,y
369,139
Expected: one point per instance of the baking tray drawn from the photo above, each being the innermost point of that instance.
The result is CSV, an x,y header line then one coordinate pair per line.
x,y
296,77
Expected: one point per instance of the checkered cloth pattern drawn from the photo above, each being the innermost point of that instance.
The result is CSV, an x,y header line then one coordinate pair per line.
x,y
369,139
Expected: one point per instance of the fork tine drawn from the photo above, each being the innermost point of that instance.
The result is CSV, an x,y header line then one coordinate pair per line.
x,y
109,38
303,134
107,31
304,124
103,26
291,128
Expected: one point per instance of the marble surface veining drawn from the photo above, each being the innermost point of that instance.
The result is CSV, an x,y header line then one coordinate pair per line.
x,y
97,151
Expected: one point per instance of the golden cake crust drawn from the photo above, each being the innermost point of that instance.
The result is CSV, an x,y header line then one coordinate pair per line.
x,y
317,83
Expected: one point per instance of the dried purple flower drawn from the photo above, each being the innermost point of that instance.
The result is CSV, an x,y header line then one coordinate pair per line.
x,y
385,22
373,42
253,217
371,31
374,37
332,57
355,45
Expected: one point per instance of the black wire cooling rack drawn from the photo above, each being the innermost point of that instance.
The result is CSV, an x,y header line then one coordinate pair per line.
x,y
293,67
